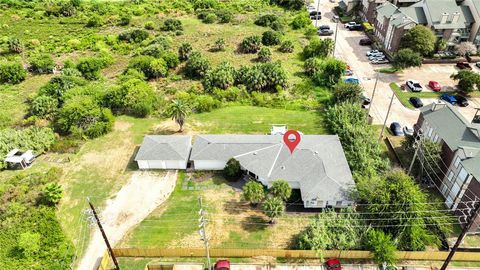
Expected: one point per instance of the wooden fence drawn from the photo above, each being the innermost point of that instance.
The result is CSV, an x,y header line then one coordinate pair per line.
x,y
106,262
237,253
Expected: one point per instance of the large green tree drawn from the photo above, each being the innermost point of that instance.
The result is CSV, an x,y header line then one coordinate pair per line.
x,y
420,39
281,189
405,58
273,208
178,111
349,92
253,192
382,246
468,80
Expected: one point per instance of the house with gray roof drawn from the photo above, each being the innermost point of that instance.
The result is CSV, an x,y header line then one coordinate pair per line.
x,y
317,167
164,152
459,179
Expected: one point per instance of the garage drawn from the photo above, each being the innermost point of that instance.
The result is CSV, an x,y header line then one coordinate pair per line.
x,y
164,152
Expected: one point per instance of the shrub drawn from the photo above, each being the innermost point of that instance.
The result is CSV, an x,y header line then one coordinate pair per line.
x,y
149,25
67,9
262,77
273,208
134,35
197,65
221,77
264,55
205,103
90,67
250,44
42,64
210,18
405,58
319,48
286,46
163,41
171,24
52,193
266,20
205,4
382,246
171,59
270,38
224,15
300,21
331,72
290,4
58,86
134,97
150,66
219,45
44,106
154,50
232,169
94,21
253,192
281,189
125,20
184,51
312,66
11,72
15,45
347,92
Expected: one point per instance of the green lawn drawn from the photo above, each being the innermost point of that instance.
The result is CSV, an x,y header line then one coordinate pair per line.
x,y
249,120
403,96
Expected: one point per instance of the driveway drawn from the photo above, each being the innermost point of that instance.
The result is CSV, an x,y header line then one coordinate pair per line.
x,y
349,50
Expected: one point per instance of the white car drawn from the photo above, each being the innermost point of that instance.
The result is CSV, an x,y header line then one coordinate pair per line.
x,y
347,25
376,57
311,8
372,52
379,61
415,86
408,130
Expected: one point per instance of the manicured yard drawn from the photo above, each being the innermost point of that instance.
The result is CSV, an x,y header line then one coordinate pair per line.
x,y
248,119
404,95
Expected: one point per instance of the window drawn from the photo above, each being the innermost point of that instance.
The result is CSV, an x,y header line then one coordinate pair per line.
x,y
444,190
435,139
450,176
455,190
339,203
462,176
457,161
430,131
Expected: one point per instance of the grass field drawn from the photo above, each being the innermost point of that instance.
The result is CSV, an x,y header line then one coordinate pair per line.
x,y
248,119
403,96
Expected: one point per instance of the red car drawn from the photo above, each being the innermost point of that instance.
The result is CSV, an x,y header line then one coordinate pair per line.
x,y
333,264
435,86
222,265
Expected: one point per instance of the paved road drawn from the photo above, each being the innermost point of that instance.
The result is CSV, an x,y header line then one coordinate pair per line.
x,y
348,49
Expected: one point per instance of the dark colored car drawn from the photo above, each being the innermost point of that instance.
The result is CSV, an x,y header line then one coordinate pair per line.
x,y
461,101
333,264
222,265
463,65
323,27
449,98
365,42
355,27
325,32
416,102
396,129
315,15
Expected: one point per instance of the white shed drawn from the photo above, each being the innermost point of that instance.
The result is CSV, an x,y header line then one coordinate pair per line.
x,y
164,152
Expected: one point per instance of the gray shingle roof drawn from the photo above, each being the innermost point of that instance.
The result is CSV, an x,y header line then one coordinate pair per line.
x,y
164,147
437,7
318,163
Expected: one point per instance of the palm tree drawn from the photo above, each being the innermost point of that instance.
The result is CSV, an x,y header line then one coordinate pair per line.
x,y
178,110
273,208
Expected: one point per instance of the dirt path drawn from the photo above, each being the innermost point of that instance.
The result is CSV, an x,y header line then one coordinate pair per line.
x,y
135,201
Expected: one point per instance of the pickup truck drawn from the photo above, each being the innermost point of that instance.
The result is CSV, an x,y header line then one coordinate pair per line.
x,y
464,65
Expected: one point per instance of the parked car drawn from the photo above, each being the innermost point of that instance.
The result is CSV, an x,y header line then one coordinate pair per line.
x,y
477,64
347,25
369,53
414,86
464,65
416,102
333,264
351,80
222,265
365,42
325,26
376,57
356,27
311,8
396,129
408,130
449,98
461,101
315,15
365,101
335,18
435,86
380,61
325,32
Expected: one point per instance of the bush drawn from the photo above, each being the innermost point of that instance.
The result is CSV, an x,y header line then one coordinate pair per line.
x,y
44,106
58,86
205,4
149,25
90,67
151,67
154,50
253,192
205,103
184,51
300,21
82,116
266,20
232,169
250,44
319,48
264,55
382,246
171,59
331,72
164,42
290,4
224,15
262,77
210,18
281,189
221,77
134,97
197,65
171,24
270,38
219,45
347,92
312,66
134,35
42,64
125,20
11,72
405,58
94,21
286,46
15,45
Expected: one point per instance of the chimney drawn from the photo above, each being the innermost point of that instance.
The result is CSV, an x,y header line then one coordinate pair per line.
x,y
455,17
438,105
444,18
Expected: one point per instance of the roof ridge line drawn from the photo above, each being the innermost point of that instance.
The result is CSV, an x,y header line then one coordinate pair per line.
x,y
275,161
256,150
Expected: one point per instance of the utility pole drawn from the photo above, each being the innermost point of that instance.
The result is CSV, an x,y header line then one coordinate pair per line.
x,y
316,13
109,248
373,94
203,233
335,39
418,143
467,227
386,117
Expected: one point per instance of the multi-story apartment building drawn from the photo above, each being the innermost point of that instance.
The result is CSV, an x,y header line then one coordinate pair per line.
x,y
458,180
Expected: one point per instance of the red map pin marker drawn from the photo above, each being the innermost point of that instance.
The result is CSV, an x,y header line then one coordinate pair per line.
x,y
291,144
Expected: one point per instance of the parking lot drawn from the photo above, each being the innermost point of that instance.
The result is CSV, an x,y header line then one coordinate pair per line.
x,y
349,50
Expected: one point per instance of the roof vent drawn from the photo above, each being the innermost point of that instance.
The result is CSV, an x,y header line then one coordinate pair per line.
x,y
283,167
444,18
254,153
315,152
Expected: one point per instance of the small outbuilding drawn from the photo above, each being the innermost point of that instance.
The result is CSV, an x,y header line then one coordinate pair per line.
x,y
164,152
17,158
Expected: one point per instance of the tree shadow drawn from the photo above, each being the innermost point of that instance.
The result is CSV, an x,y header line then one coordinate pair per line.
x,y
255,223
